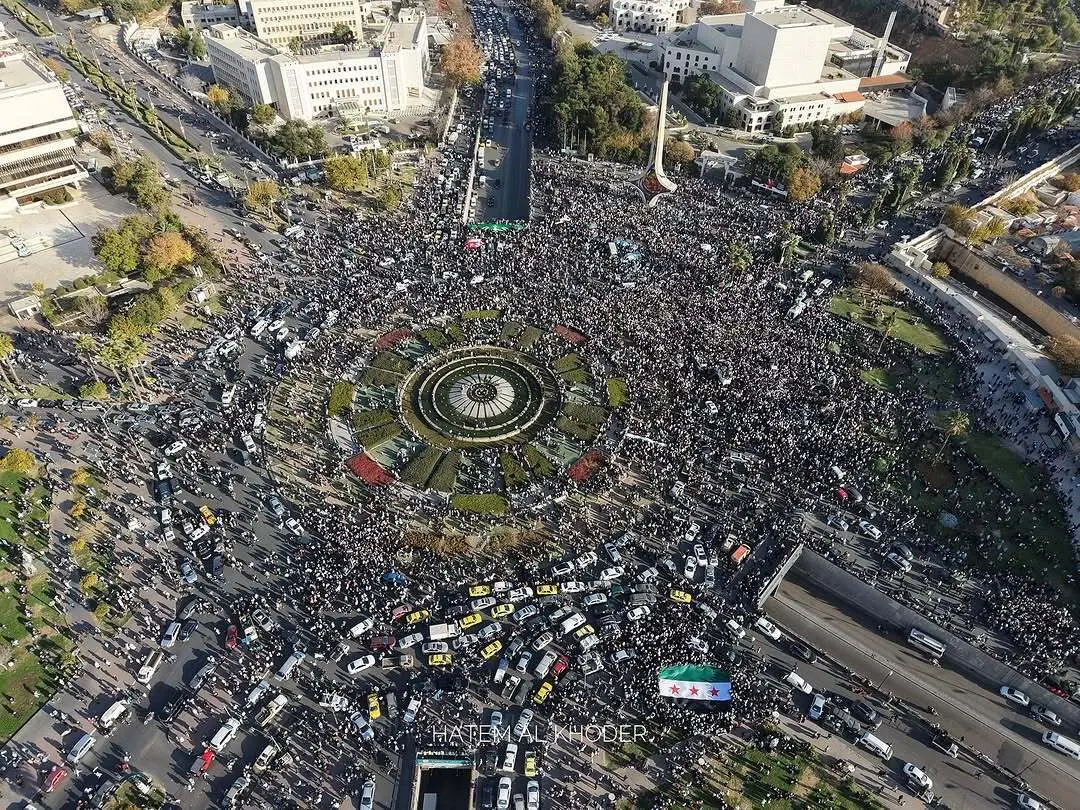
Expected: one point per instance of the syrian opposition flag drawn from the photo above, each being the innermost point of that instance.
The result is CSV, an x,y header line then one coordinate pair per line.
x,y
694,682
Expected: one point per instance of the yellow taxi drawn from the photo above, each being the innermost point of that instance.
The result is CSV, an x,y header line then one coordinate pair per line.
x,y
547,590
440,660
505,609
374,711
473,619
479,590
542,693
490,650
417,616
207,515
530,764
584,630
682,597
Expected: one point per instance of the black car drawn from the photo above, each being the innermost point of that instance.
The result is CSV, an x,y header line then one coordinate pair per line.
x,y
188,628
173,707
490,762
865,713
163,490
801,650
487,796
189,608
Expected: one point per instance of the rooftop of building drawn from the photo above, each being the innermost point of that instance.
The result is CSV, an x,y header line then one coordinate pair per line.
x,y
891,81
242,43
797,17
894,109
19,71
865,41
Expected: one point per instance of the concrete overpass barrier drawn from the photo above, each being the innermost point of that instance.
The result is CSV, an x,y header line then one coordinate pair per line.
x,y
812,568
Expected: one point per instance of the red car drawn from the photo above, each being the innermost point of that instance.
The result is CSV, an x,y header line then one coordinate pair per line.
x,y
400,612
230,637
55,777
560,665
841,493
381,643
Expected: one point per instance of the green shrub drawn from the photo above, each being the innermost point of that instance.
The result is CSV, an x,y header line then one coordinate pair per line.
x,y
362,420
487,503
576,429
444,479
341,397
618,392
418,470
587,414
513,473
539,464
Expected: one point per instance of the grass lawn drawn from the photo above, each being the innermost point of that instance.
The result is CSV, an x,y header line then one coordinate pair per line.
x,y
877,377
1033,535
909,327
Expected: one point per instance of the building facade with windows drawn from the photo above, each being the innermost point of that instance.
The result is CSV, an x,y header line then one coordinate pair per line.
x,y
647,16
780,66
37,129
384,77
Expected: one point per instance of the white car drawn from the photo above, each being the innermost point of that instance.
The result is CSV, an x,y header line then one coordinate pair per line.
x,y
869,529
796,681
168,639
572,586
532,795
735,629
519,594
527,612
767,628
690,568
367,794
817,706
594,599
360,664
176,448
410,640
1026,802
293,525
502,799
1014,696
495,723
639,612
611,574
899,561
433,647
918,778
585,560
261,618
224,735
509,760
522,725
563,569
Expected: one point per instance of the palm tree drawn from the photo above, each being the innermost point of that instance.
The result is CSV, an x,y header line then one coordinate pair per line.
x,y
87,345
111,356
890,323
955,423
136,353
7,349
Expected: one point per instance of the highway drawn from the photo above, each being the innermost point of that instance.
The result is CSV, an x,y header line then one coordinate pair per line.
x,y
983,718
509,162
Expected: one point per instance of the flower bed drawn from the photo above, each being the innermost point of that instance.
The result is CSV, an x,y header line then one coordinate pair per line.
x,y
585,467
368,471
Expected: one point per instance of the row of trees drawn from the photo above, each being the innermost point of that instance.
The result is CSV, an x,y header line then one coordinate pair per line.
x,y
593,109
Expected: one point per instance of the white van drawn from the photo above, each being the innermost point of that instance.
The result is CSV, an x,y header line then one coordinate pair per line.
x,y
81,748
112,715
150,665
1061,744
879,747
290,664
227,395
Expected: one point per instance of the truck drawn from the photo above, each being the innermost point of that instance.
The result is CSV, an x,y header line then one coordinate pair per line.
x,y
441,632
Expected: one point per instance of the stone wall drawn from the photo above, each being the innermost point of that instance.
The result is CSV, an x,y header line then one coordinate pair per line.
x,y
988,274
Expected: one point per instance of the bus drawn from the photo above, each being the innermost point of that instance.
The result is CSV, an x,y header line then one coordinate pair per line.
x,y
928,644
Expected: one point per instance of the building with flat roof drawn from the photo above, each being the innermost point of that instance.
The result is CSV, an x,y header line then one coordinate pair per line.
x,y
937,13
198,14
781,65
384,72
37,129
647,16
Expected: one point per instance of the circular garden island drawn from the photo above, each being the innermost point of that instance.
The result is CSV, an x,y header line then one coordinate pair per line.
x,y
486,413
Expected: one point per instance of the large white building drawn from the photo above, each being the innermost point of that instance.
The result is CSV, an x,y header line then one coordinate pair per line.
x,y
383,73
37,129
782,65
647,16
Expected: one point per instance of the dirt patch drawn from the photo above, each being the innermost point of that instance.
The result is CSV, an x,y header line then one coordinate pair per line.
x,y
937,477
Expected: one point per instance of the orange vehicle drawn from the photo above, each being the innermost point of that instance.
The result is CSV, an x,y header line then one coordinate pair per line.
x,y
739,555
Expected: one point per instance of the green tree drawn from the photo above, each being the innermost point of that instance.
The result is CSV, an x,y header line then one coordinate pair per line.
x,y
261,195
803,183
18,461
196,48
739,258
7,351
341,397
297,139
87,346
94,390
89,582
389,198
955,215
940,270
221,98
116,250
167,251
345,173
1064,350
343,34
263,114
953,424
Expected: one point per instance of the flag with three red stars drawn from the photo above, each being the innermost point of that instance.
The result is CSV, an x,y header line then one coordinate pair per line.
x,y
695,682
